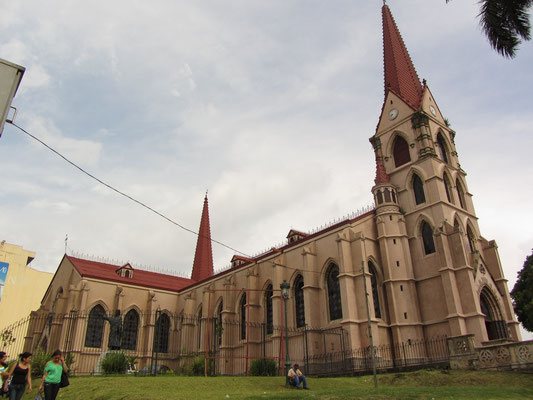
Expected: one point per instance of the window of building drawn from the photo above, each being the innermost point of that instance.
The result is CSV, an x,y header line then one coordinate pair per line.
x,y
427,238
243,317
268,308
375,294
199,327
161,334
448,188
129,330
400,151
471,239
334,292
418,189
299,301
460,194
380,197
95,327
219,325
443,148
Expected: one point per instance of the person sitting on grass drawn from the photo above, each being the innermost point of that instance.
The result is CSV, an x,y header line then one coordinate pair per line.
x,y
296,377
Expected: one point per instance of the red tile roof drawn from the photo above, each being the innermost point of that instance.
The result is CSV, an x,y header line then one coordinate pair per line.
x,y
203,258
400,73
107,272
381,174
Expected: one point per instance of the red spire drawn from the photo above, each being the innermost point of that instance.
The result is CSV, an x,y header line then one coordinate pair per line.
x,y
203,258
381,174
400,74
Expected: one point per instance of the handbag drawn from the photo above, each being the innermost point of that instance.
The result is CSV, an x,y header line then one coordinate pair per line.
x,y
64,380
38,397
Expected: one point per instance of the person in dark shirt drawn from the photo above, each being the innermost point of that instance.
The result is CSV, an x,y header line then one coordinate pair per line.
x,y
21,374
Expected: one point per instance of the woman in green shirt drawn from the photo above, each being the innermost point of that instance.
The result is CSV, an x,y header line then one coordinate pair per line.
x,y
52,376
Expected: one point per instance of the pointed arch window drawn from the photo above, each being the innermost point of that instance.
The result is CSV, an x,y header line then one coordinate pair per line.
x,y
130,330
199,327
400,151
95,327
418,189
448,188
219,326
471,239
268,309
243,316
334,292
375,294
161,334
427,238
299,301
443,148
460,193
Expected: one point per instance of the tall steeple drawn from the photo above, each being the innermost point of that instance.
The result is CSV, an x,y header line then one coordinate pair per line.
x,y
400,73
203,258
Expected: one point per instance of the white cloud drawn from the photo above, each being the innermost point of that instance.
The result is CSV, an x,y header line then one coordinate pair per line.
x,y
269,105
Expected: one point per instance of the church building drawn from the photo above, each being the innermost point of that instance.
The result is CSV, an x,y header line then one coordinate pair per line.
x,y
418,257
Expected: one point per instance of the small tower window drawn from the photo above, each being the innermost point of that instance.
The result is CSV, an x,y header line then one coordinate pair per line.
x,y
418,188
400,151
471,239
460,193
387,195
427,238
380,197
443,149
447,187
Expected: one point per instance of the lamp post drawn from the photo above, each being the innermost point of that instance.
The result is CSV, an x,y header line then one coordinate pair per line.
x,y
285,294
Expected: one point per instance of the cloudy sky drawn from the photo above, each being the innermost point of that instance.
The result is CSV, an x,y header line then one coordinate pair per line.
x,y
267,104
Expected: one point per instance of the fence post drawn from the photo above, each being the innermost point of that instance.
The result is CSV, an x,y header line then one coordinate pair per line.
x,y
306,345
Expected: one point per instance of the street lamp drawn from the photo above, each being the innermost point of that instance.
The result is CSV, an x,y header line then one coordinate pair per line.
x,y
285,294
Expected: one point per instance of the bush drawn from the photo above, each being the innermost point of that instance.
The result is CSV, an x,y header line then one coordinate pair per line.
x,y
197,367
41,357
39,360
263,367
114,363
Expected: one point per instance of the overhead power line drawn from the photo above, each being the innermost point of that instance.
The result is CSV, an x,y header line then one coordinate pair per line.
x,y
125,194
140,202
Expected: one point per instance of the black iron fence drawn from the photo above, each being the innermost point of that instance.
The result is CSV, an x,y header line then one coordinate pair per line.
x,y
157,342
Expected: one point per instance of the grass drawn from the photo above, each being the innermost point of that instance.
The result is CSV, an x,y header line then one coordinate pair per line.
x,y
430,384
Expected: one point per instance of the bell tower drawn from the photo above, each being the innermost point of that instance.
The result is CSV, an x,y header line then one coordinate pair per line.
x,y
415,148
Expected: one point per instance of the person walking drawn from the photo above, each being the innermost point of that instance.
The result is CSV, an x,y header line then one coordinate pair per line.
x,y
52,375
3,371
20,374
296,377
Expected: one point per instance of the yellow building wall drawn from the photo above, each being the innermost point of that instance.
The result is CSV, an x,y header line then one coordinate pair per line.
x,y
24,286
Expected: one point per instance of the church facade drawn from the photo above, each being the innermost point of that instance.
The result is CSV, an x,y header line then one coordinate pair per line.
x,y
418,257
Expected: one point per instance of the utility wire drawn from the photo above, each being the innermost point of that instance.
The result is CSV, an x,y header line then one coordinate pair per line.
x,y
141,203
124,194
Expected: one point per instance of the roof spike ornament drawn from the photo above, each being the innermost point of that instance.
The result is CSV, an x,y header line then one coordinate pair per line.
x,y
400,74
203,258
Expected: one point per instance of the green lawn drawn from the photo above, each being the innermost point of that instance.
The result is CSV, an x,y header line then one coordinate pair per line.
x,y
413,385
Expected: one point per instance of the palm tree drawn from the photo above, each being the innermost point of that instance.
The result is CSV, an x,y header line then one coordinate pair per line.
x,y
505,23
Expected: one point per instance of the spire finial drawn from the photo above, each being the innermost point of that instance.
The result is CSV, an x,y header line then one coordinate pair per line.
x,y
203,257
400,73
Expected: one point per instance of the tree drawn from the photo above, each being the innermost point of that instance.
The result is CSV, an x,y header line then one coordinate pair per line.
x,y
505,23
522,294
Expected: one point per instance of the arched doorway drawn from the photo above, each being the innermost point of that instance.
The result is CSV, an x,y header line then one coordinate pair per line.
x,y
494,322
